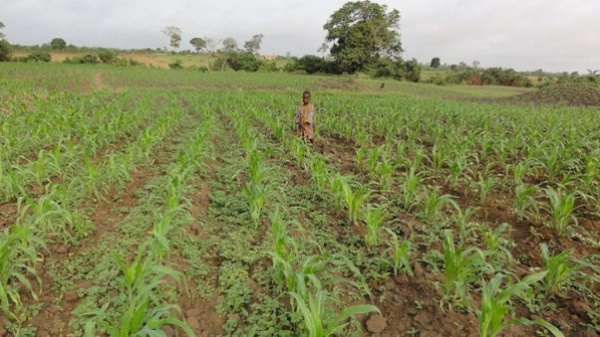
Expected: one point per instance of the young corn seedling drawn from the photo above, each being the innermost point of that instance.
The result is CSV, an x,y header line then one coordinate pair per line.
x,y
361,157
524,200
485,186
457,167
384,170
373,217
561,207
462,268
319,319
495,305
518,170
12,182
300,151
399,254
256,195
354,201
373,160
560,270
318,171
433,205
497,252
336,184
256,168
18,256
410,187
139,317
466,227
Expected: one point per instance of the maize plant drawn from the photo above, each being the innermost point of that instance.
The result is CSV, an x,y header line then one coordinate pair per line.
x,y
318,171
256,195
399,254
561,208
410,189
462,267
18,256
319,318
354,201
495,305
373,217
384,170
433,204
560,270
524,201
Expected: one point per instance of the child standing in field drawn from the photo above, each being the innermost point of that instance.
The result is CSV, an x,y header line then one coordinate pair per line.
x,y
304,118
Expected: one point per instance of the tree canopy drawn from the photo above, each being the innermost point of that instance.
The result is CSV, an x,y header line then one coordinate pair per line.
x,y
1,33
435,62
230,44
253,46
58,43
174,34
5,51
362,32
198,43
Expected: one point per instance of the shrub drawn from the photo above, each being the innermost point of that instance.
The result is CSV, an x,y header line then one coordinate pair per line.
x,y
87,59
311,64
39,56
385,67
243,61
5,51
107,56
176,65
412,70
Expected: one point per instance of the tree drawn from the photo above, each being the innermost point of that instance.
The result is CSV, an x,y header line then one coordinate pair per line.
x,y
1,33
230,44
198,43
58,43
174,33
5,51
362,32
412,70
253,46
211,44
435,62
476,64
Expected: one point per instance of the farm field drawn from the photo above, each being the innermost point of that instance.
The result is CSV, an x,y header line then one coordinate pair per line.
x,y
150,202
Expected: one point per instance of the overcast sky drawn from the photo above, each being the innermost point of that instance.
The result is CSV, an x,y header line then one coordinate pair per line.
x,y
555,35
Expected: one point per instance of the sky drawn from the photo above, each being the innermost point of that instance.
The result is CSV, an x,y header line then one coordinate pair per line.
x,y
554,35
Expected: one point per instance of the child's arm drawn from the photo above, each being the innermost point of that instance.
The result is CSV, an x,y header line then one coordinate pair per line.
x,y
310,115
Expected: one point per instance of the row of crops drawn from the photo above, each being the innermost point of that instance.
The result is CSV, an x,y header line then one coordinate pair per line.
x,y
137,205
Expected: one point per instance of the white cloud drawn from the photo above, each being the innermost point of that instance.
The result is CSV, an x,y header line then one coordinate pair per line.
x,y
550,34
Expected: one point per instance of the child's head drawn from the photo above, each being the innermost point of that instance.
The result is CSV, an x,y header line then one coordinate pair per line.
x,y
306,97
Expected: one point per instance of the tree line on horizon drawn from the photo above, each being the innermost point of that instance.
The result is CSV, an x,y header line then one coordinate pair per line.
x,y
362,36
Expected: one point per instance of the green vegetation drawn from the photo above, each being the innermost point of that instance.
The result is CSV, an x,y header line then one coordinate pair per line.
x,y
138,201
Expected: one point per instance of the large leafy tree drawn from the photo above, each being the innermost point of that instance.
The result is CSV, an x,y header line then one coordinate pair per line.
x,y
1,33
435,62
198,43
362,32
58,43
174,34
253,46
